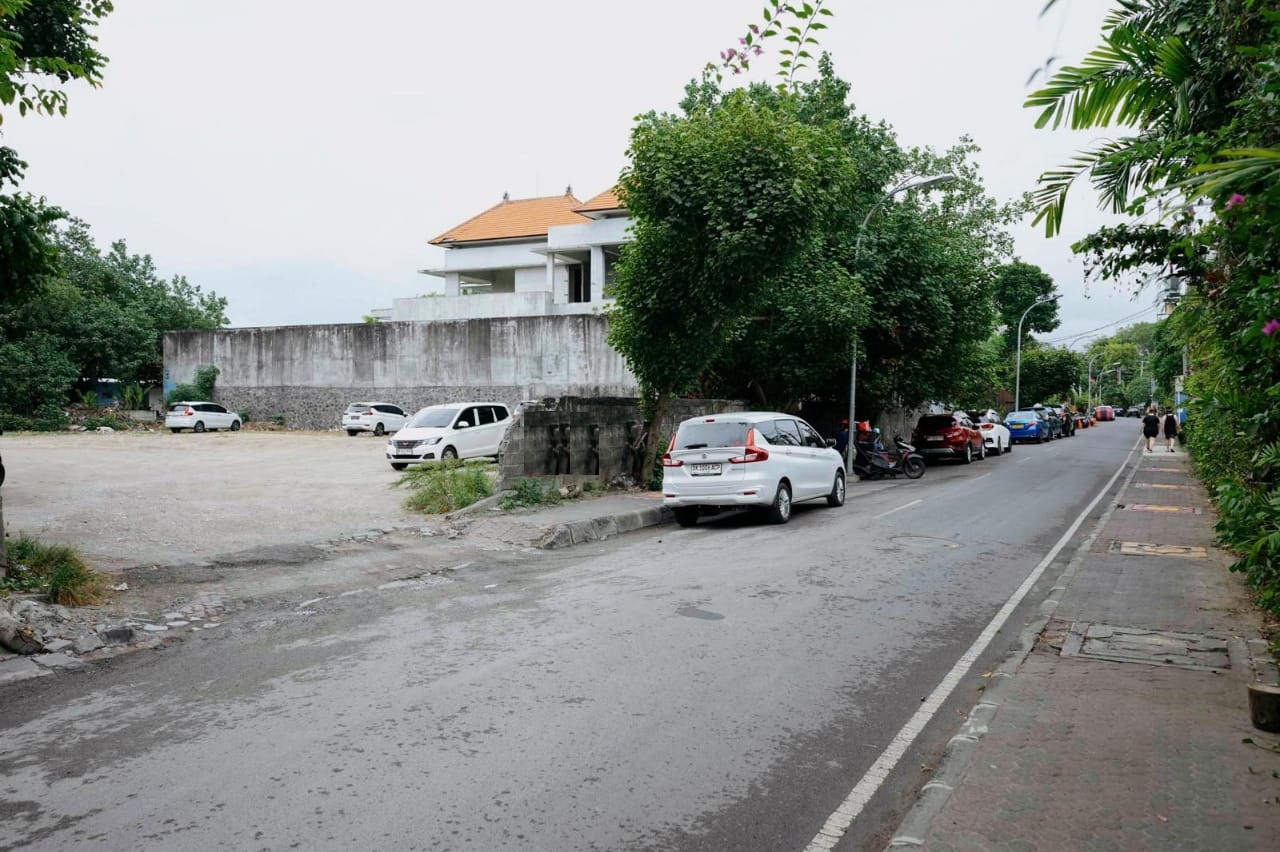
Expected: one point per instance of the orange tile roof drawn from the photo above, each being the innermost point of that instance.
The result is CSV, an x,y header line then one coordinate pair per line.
x,y
512,219
607,200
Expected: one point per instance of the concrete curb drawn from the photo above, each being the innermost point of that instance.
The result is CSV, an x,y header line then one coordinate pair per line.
x,y
602,527
478,506
953,766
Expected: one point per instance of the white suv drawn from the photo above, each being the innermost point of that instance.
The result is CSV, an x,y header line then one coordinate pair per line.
x,y
459,430
199,416
376,417
759,459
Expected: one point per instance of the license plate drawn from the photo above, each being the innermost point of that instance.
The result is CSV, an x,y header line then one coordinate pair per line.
x,y
934,438
1015,425
704,469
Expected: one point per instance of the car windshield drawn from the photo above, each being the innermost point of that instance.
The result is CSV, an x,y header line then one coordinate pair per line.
x,y
723,433
934,422
429,418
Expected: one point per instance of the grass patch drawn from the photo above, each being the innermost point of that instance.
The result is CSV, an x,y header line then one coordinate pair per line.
x,y
535,491
447,485
55,569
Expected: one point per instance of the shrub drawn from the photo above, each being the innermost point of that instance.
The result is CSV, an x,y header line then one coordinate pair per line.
x,y
200,388
446,485
134,397
45,420
57,569
529,491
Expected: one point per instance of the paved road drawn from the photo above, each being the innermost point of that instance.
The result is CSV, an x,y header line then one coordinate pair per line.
x,y
723,687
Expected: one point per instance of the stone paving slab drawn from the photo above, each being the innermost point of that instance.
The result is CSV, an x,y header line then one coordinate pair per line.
x,y
1099,755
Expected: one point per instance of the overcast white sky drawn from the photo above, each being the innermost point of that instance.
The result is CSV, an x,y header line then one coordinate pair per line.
x,y
296,155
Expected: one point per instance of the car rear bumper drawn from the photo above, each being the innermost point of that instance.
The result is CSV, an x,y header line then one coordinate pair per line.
x,y
938,452
736,489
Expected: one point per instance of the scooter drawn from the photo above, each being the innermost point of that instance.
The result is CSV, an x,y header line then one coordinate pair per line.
x,y
872,461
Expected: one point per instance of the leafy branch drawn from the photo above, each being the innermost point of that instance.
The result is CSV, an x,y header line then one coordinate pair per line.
x,y
795,23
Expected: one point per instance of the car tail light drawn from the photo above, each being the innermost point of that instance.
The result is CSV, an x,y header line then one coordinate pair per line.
x,y
667,461
986,427
188,412
368,413
751,453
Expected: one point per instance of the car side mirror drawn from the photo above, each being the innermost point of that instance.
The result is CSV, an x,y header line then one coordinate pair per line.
x,y
461,424
831,442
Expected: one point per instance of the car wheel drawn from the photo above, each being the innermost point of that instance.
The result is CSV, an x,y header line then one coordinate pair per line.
x,y
398,465
353,432
968,453
1,474
982,452
836,497
686,516
998,450
1008,448
448,453
780,511
913,468
235,425
379,431
199,427
1039,437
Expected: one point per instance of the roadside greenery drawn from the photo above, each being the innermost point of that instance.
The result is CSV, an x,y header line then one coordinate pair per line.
x,y
56,570
1196,82
437,487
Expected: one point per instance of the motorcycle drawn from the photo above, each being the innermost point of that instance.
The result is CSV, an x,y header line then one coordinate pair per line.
x,y
873,461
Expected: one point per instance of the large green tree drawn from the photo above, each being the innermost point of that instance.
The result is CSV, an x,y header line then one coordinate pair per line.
x,y
102,315
1017,286
722,198
43,46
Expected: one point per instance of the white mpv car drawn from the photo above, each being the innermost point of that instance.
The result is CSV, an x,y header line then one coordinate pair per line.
x,y
199,416
461,430
376,417
764,460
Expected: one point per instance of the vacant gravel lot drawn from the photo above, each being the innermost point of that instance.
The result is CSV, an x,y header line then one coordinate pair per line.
x,y
144,498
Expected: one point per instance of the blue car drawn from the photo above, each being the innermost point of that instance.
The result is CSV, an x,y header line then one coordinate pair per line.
x,y
1028,426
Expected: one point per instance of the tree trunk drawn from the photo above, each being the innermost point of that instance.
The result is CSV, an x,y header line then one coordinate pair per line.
x,y
655,437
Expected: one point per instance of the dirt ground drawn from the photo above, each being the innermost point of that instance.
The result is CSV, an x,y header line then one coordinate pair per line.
x,y
155,498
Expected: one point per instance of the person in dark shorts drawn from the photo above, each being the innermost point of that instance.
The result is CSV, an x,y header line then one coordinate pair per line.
x,y
1150,428
1170,428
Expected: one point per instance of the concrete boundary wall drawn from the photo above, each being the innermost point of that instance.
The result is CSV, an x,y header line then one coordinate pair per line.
x,y
573,435
308,374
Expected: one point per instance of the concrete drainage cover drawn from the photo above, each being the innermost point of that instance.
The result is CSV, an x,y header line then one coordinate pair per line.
x,y
1146,548
1148,507
1197,651
1162,485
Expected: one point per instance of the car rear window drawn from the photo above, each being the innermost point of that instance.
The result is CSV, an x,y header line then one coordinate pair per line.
x,y
721,433
357,407
935,421
433,418
180,407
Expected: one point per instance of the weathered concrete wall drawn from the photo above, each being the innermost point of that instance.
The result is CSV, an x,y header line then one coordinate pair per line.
x,y
308,374
586,436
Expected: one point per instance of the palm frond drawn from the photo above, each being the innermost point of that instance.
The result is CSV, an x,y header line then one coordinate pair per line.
x,y
1243,167
1050,196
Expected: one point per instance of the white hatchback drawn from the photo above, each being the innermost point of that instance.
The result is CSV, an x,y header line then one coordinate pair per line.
x,y
758,459
199,416
376,417
460,430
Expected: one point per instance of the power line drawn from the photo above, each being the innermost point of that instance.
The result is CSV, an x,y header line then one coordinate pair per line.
x,y
1099,328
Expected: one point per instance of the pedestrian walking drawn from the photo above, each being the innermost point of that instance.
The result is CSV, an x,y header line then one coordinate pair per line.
x,y
842,439
1150,428
1170,428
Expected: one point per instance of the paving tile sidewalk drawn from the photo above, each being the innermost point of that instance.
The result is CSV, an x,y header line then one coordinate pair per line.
x,y
1126,726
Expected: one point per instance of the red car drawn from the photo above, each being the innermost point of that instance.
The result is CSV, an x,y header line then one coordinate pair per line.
x,y
1106,412
948,436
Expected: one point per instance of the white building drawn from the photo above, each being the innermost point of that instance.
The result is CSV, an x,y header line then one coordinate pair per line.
x,y
524,257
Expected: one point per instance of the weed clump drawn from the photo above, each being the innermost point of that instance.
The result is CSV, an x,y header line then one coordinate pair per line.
x,y
447,485
55,569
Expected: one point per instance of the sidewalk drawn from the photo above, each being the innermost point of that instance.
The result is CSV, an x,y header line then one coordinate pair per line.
x,y
1124,723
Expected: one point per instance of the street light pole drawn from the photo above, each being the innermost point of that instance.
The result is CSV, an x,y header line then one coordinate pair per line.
x,y
913,182
1017,380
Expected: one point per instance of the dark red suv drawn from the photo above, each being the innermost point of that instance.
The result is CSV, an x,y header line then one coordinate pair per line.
x,y
948,436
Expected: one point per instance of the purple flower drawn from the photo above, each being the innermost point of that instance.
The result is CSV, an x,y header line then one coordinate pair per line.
x,y
742,41
1235,200
759,50
1271,327
754,28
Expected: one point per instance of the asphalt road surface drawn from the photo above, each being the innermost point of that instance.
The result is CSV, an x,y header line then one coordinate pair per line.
x,y
718,688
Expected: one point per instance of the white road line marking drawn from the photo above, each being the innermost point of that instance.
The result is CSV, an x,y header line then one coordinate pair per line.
x,y
1025,458
838,823
899,509
977,478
